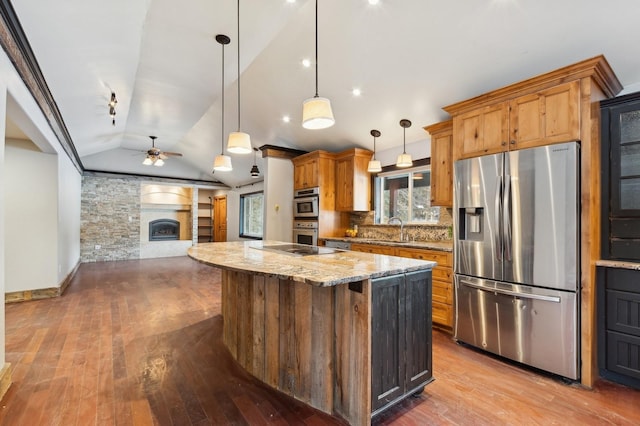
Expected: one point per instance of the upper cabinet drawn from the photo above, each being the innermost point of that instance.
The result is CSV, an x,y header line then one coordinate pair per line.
x,y
315,169
540,111
441,163
545,117
353,181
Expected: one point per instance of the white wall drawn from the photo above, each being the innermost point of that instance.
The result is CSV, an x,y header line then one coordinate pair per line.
x,y
31,219
3,113
69,191
278,203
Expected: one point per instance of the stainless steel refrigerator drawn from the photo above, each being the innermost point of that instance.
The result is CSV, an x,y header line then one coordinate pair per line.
x,y
516,255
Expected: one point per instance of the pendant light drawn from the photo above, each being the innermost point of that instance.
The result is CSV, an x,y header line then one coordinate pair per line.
x,y
255,172
222,162
374,165
404,159
239,142
316,111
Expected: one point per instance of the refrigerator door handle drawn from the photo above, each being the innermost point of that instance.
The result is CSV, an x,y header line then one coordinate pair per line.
x,y
506,215
497,233
511,293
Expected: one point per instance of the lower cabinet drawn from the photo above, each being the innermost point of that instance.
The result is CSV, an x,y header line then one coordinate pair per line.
x,y
619,325
401,362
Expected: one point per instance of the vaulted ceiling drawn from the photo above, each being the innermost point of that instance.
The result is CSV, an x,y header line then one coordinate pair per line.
x,y
408,57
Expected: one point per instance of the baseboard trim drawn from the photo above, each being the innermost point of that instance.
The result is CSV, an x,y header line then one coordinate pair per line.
x,y
41,293
5,379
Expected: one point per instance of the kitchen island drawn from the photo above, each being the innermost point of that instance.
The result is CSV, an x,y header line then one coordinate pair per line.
x,y
313,325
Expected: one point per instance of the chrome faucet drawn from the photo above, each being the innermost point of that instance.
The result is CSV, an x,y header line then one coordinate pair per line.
x,y
397,219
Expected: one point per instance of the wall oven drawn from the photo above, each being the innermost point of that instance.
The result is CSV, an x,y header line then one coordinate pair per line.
x,y
305,203
305,232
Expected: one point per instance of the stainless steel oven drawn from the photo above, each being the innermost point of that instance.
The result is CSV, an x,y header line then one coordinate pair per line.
x,y
305,232
306,203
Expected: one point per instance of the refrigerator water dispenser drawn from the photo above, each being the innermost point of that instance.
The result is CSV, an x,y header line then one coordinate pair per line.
x,y
471,223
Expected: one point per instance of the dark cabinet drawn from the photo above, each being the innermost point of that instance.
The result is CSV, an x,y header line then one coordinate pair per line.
x,y
621,177
401,362
619,325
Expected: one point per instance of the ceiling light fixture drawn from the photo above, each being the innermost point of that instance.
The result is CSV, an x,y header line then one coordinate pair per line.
x,y
316,111
112,108
239,142
222,162
404,159
255,172
374,165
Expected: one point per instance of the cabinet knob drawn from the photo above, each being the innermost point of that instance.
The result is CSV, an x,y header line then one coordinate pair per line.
x,y
503,143
513,142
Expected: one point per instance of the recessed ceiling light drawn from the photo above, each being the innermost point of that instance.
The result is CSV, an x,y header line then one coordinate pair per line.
x,y
306,63
374,1
286,118
356,92
293,1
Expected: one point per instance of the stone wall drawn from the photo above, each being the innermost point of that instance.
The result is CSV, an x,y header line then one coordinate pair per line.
x,y
110,219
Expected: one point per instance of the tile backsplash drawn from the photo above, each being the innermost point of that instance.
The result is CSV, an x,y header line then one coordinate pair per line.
x,y
424,232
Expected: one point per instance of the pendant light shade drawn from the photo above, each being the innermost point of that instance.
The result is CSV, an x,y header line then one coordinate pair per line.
x,y
404,159
316,111
239,142
222,162
255,172
374,165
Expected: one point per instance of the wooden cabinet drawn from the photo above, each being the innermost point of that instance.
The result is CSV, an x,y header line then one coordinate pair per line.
x,y
543,117
353,181
205,216
620,171
619,327
401,362
441,163
442,288
315,169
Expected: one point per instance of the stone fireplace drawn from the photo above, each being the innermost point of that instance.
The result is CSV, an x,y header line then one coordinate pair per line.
x,y
164,230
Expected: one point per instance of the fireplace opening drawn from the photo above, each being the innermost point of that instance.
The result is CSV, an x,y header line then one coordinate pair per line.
x,y
164,230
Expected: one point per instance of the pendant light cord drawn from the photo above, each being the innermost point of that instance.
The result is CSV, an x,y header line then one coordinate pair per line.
x,y
316,49
222,138
238,65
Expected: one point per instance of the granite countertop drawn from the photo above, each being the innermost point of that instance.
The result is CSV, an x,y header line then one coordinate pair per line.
x,y
619,264
431,245
320,270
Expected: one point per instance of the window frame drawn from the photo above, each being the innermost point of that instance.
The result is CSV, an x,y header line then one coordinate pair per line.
x,y
242,233
378,189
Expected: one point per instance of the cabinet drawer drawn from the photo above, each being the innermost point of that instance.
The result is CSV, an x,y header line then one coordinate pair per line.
x,y
441,257
441,314
623,312
623,354
442,273
442,292
370,248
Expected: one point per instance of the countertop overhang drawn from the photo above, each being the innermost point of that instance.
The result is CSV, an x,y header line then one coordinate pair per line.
x,y
321,270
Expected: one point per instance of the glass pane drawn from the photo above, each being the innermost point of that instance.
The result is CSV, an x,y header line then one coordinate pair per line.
x,y
630,194
630,160
395,198
421,197
252,214
630,126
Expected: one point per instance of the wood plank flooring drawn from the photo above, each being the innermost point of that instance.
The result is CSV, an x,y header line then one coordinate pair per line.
x,y
139,343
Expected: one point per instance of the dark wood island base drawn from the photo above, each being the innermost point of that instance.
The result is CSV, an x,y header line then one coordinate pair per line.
x,y
351,349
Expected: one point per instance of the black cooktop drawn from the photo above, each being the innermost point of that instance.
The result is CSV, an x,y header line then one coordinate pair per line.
x,y
299,249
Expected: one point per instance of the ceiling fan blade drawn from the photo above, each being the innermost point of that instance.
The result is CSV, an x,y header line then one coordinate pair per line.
x,y
172,154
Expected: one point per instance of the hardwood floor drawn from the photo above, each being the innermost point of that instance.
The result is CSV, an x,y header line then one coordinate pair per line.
x,y
139,343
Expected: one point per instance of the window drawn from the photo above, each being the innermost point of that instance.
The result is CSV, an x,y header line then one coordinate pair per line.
x,y
405,194
251,214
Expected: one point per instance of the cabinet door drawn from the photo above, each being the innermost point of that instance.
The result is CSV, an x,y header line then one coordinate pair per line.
x,y
546,117
305,174
480,132
418,329
442,170
387,340
372,248
344,184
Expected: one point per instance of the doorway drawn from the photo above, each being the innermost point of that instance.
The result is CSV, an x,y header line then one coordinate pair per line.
x,y
220,218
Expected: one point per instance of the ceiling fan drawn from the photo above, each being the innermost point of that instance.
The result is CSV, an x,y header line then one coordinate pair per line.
x,y
155,156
